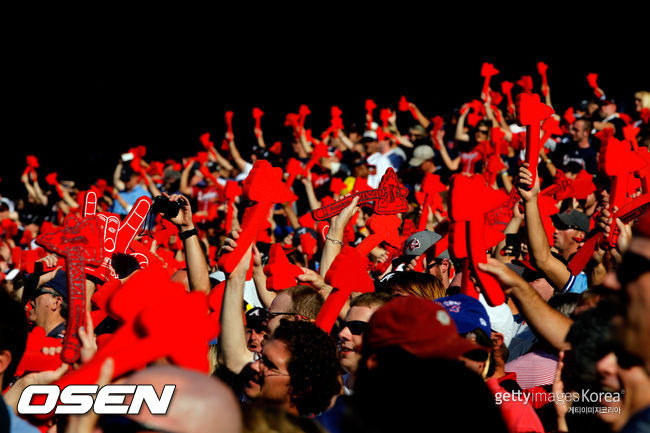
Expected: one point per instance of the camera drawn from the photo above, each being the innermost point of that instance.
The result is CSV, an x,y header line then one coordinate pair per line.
x,y
168,208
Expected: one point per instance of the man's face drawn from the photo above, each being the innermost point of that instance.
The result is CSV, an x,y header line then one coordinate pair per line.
x,y
563,239
43,305
254,338
271,372
372,147
578,130
637,323
350,339
281,304
132,182
607,110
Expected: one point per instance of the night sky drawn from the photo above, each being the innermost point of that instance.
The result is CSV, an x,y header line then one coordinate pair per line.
x,y
78,108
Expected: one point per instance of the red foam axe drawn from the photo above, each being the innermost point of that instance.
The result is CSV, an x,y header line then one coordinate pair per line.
x,y
303,112
541,69
80,244
592,80
34,359
389,198
431,187
280,272
257,115
370,106
405,106
232,191
569,115
471,199
382,228
487,72
438,124
32,164
263,185
294,168
530,112
506,89
347,274
526,83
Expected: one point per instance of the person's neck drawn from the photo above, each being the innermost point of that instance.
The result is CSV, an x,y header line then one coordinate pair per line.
x,y
567,252
584,144
51,322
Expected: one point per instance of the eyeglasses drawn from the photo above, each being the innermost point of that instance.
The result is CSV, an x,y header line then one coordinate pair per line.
x,y
356,327
632,267
268,365
122,424
40,292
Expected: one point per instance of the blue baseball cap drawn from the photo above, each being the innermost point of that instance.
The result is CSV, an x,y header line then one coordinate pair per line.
x,y
467,313
59,284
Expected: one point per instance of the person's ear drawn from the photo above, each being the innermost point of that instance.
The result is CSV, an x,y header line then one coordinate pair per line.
x,y
372,362
5,360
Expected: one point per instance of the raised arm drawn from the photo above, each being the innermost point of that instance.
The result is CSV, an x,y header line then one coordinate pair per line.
x,y
452,164
233,334
259,278
461,135
421,118
334,240
185,187
117,183
236,156
197,266
548,322
556,272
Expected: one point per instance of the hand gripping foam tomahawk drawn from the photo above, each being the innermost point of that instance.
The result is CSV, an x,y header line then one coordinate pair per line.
x,y
592,80
80,244
389,198
263,185
117,235
530,112
34,359
470,237
347,274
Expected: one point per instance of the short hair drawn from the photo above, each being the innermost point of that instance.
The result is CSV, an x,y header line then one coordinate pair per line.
x,y
644,96
313,367
565,303
587,122
306,301
425,286
13,333
370,299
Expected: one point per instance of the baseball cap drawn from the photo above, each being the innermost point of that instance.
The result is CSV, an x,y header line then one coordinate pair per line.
x,y
468,313
418,243
255,317
419,326
59,283
573,219
171,175
421,153
606,101
501,319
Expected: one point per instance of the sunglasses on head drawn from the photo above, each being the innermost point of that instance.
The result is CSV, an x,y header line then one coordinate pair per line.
x,y
122,424
40,292
270,315
356,327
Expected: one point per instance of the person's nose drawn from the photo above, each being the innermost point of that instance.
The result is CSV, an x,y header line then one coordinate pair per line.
x,y
345,334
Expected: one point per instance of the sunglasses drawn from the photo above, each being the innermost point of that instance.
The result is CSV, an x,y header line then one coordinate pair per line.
x,y
356,327
122,424
270,315
632,267
40,292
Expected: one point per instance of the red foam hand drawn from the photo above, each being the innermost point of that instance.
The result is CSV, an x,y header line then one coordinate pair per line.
x,y
630,132
592,80
382,228
526,83
280,273
569,116
263,185
80,244
547,208
370,106
530,112
389,198
156,168
276,149
471,200
34,359
541,70
347,274
309,245
583,185
257,115
487,72
506,89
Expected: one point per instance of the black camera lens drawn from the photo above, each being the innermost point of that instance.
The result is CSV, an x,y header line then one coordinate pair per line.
x,y
168,208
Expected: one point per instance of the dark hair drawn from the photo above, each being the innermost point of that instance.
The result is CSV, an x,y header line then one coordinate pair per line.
x,y
13,333
565,303
306,300
314,365
370,299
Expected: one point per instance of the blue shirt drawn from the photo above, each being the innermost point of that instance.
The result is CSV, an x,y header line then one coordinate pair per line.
x,y
576,284
130,197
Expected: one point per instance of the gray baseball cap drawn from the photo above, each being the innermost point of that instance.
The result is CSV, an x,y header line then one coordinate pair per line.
x,y
421,153
418,243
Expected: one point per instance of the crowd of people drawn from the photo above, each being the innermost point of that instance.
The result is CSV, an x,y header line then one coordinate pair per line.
x,y
371,320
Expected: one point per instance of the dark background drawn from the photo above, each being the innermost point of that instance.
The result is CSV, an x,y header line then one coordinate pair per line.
x,y
77,108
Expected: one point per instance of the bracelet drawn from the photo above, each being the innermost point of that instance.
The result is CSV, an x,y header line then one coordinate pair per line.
x,y
336,241
188,234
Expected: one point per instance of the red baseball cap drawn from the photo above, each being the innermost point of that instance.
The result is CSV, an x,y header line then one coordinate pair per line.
x,y
420,326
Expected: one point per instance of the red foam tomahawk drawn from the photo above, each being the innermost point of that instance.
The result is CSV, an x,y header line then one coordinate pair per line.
x,y
470,236
280,272
404,105
32,165
541,69
303,112
530,112
33,358
117,235
438,123
431,187
620,163
347,274
257,115
232,191
370,107
80,244
592,80
382,228
487,72
264,186
389,198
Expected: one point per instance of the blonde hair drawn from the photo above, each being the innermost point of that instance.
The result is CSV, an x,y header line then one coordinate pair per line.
x,y
419,284
645,98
